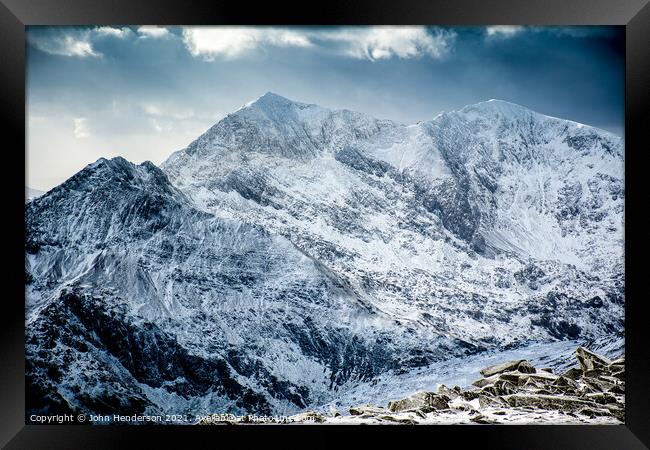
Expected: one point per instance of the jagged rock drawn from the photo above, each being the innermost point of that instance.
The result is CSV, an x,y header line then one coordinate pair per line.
x,y
594,412
601,397
421,412
402,420
462,406
620,361
481,419
617,411
505,387
526,367
491,390
547,369
543,392
512,377
521,365
557,402
420,400
540,377
620,375
588,360
573,373
485,401
615,368
595,373
530,383
366,409
482,382
566,382
451,393
617,389
597,385
470,395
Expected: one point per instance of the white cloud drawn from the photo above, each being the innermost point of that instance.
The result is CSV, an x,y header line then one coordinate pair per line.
x,y
152,31
230,42
65,44
382,42
74,42
120,33
504,31
373,43
80,130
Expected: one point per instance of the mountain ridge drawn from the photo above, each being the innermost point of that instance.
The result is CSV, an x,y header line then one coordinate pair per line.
x,y
306,251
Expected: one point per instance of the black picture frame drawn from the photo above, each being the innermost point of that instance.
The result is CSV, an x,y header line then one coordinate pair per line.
x,y
634,15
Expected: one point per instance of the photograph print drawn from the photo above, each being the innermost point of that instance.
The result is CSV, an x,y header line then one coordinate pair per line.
x,y
324,225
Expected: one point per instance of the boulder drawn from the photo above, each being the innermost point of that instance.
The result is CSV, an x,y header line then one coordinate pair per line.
x,y
451,393
526,367
481,419
482,382
573,373
556,402
420,400
401,420
529,383
619,361
520,365
470,395
594,412
462,406
366,410
588,360
615,368
602,398
505,387
485,401
619,375
513,377
617,411
542,378
617,389
597,385
491,390
595,373
566,382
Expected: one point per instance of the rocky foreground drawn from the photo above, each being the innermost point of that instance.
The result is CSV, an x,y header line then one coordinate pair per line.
x,y
514,392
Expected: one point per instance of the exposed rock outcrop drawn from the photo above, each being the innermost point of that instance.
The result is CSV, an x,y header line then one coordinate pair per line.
x,y
514,392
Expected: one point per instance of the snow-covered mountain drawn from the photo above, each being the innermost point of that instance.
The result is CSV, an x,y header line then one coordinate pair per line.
x,y
292,252
31,194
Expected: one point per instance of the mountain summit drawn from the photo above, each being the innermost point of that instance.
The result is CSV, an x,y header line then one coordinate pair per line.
x,y
293,253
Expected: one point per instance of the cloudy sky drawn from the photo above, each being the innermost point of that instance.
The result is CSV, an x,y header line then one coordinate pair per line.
x,y
145,92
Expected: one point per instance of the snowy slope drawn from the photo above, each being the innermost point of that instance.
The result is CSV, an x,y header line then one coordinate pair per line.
x,y
293,252
31,194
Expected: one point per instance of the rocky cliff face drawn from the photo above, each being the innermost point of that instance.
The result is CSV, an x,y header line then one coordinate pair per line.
x,y
293,251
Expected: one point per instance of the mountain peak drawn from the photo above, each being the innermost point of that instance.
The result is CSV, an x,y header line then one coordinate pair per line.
x,y
497,107
271,101
272,96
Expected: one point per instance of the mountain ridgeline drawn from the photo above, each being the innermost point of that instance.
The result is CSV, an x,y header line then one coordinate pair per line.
x,y
292,252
